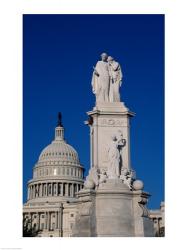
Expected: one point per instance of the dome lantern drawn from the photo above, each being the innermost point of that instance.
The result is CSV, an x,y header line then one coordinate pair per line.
x,y
59,130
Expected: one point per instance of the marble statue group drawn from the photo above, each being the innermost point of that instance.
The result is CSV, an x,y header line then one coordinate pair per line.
x,y
107,79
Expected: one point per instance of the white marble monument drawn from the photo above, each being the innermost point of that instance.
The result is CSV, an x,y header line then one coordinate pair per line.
x,y
112,202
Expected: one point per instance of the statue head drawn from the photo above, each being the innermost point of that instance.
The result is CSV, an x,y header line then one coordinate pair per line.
x,y
110,59
104,57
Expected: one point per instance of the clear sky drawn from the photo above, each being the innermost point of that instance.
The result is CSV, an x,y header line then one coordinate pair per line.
x,y
59,52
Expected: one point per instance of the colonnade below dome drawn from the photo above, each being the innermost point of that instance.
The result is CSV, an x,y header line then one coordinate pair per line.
x,y
51,189
73,171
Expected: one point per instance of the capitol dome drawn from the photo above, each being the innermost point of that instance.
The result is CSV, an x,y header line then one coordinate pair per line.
x,y
59,150
58,172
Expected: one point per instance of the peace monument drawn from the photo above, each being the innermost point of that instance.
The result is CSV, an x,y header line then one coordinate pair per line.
x,y
110,201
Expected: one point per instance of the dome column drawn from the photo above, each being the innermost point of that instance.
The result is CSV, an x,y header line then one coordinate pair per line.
x,y
72,189
28,193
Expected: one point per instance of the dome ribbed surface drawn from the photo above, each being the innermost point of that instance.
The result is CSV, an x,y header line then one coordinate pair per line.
x,y
59,151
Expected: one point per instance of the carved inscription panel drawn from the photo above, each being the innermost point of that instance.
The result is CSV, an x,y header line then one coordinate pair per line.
x,y
111,122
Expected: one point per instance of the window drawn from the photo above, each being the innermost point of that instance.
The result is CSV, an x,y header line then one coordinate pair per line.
x,y
72,215
43,216
53,226
42,226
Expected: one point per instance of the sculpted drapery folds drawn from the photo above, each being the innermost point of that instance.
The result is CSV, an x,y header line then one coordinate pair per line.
x,y
115,80
114,156
106,80
101,79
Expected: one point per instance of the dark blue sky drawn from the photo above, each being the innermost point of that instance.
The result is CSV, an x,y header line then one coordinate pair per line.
x,y
59,52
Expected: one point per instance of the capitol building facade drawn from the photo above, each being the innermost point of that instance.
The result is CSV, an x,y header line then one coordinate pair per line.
x,y
57,177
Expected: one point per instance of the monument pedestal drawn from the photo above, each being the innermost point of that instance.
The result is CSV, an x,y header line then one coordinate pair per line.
x,y
111,208
112,211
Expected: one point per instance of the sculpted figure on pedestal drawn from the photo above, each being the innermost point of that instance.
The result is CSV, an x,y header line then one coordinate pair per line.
x,y
127,177
115,80
102,176
114,156
107,79
101,79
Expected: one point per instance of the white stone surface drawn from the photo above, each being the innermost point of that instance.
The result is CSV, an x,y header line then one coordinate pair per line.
x,y
109,119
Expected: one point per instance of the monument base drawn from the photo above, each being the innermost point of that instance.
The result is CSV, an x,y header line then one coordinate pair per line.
x,y
112,211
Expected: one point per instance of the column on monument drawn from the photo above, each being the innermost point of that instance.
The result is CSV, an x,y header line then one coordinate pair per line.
x,y
52,189
54,184
28,193
56,220
72,189
34,191
31,191
69,194
37,190
60,222
46,220
49,220
46,189
69,189
66,189
37,221
61,189
42,189
52,193
56,187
